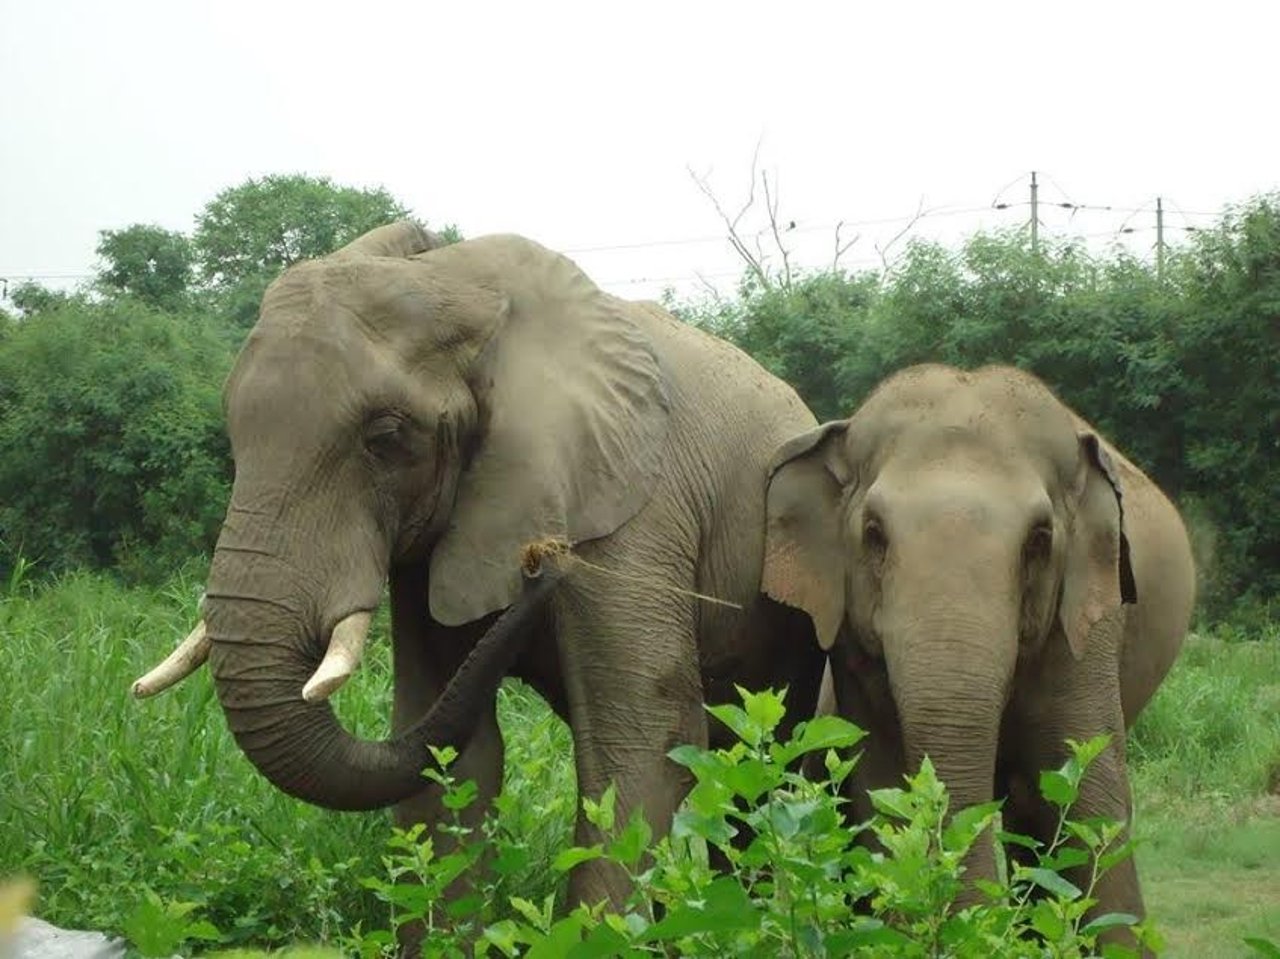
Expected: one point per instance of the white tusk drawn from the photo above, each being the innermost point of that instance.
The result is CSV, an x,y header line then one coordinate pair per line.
x,y
178,665
346,646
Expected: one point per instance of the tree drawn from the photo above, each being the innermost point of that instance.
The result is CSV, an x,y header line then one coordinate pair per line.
x,y
1230,361
31,298
149,262
248,233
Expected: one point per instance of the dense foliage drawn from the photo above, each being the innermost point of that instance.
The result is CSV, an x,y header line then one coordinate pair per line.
x,y
248,233
1181,370
111,444
149,262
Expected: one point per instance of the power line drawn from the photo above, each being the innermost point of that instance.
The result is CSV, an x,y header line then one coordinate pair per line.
x,y
1067,203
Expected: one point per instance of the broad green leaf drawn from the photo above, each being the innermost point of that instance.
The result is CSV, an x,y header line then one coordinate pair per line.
x,y
203,930
738,721
765,709
602,941
1017,839
1058,788
1050,881
1065,858
629,845
892,802
601,813
1116,855
461,795
751,778
1108,920
821,732
1047,920
561,937
967,825
566,859
724,906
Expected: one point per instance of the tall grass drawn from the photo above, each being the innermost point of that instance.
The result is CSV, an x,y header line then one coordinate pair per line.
x,y
1213,728
102,797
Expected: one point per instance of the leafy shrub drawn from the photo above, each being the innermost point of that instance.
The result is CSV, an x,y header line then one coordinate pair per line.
x,y
112,451
802,885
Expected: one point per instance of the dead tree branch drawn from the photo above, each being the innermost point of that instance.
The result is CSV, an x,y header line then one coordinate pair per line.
x,y
842,248
771,206
883,251
754,261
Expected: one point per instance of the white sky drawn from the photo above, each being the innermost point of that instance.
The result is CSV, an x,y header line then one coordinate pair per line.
x,y
574,123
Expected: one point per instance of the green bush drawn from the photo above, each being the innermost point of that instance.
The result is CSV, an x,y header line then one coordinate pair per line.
x,y
112,451
803,885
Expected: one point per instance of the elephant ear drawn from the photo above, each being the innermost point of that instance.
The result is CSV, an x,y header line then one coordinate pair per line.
x,y
1099,574
404,238
574,418
804,565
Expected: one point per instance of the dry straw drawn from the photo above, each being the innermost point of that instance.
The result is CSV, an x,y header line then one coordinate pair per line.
x,y
559,550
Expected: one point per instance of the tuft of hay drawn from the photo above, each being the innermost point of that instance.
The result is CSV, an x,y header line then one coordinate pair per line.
x,y
560,551
538,551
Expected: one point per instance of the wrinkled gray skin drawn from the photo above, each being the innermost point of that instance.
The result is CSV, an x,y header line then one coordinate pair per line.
x,y
415,415
957,543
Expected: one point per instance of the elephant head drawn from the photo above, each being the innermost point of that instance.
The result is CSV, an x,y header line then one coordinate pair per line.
x,y
946,532
403,402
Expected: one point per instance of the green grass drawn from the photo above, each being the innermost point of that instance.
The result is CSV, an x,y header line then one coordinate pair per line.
x,y
1205,756
102,798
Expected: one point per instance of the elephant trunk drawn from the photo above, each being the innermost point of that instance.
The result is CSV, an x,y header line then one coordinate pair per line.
x,y
263,655
950,677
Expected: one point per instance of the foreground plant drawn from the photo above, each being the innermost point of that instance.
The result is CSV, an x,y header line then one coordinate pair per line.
x,y
796,879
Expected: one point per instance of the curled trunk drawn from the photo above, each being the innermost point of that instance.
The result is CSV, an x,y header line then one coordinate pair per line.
x,y
302,748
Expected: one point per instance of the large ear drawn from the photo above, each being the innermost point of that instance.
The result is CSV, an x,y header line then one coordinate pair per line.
x,y
804,563
574,414
403,238
1099,574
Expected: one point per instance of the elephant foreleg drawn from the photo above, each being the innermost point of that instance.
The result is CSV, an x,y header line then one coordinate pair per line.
x,y
425,655
634,690
1079,700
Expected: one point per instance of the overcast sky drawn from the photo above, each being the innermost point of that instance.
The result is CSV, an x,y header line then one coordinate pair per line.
x,y
577,123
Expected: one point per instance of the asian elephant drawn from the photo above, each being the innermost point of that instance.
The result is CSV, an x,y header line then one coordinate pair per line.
x,y
412,413
991,577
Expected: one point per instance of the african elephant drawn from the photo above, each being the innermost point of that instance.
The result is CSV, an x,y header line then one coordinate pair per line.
x,y
991,577
411,413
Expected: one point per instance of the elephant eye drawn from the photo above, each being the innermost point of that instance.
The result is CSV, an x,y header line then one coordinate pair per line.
x,y
1039,543
874,538
383,434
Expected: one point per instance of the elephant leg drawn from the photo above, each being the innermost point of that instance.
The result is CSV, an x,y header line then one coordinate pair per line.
x,y
425,656
1080,700
629,658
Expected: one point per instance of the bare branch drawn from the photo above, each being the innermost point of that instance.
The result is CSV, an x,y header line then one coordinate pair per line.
x,y
771,205
754,261
883,251
709,288
842,248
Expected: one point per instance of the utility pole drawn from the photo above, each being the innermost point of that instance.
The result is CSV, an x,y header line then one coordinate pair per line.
x,y
1159,238
1035,214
